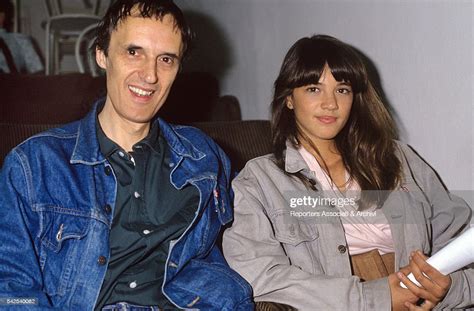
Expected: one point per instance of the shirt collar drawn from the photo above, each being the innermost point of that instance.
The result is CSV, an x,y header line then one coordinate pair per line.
x,y
87,150
152,139
108,146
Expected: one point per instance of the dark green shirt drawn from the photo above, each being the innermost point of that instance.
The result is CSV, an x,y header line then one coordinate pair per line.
x,y
149,213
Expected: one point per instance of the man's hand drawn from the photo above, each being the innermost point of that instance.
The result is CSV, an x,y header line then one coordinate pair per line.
x,y
399,294
434,284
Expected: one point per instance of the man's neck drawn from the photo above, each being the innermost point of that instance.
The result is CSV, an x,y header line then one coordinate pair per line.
x,y
123,132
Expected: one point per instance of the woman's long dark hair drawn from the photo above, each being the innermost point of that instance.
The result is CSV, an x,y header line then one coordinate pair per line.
x,y
366,143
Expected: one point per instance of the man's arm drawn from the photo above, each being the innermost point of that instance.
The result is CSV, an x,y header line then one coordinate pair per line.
x,y
20,273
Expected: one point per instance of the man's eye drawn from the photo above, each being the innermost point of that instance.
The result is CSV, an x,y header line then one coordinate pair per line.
x,y
168,60
132,52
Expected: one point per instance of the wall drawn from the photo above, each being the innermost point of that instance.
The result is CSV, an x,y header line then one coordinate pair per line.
x,y
422,51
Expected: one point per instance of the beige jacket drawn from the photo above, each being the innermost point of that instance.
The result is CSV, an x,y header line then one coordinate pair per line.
x,y
306,263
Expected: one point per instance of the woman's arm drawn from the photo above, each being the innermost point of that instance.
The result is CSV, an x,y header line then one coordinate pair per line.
x,y
450,217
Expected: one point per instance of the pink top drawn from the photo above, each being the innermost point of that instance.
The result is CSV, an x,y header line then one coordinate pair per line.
x,y
364,231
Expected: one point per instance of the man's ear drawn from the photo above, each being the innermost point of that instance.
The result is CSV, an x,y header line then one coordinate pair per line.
x,y
100,58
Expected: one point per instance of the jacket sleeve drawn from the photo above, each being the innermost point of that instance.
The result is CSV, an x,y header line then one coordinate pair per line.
x,y
449,218
20,273
251,248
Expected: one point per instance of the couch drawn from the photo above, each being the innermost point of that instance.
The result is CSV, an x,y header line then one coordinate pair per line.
x,y
33,103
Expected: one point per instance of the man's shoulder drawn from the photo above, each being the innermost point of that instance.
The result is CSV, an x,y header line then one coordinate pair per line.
x,y
190,134
59,132
49,139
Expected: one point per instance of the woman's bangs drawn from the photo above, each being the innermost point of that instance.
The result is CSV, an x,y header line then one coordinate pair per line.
x,y
347,70
308,70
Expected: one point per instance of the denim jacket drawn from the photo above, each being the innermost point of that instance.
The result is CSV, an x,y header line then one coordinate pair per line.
x,y
57,197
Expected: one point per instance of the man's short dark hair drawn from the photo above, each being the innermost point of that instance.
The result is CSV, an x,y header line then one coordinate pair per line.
x,y
121,9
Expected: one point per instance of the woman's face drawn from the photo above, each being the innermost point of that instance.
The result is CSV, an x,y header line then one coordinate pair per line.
x,y
322,109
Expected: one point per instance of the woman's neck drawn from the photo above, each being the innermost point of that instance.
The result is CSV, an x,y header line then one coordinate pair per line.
x,y
329,158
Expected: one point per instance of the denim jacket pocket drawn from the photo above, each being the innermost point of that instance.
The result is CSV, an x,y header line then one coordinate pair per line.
x,y
290,230
61,250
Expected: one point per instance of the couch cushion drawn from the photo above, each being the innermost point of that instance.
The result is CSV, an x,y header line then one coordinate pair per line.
x,y
36,99
241,140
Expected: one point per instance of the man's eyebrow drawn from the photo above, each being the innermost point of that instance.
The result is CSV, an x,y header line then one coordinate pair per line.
x,y
172,55
133,47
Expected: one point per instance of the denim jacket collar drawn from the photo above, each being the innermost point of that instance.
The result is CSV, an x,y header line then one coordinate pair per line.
x,y
294,162
179,144
87,150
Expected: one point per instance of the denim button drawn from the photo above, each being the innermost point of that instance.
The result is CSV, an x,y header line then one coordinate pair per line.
x,y
342,249
136,194
108,170
108,209
133,284
102,260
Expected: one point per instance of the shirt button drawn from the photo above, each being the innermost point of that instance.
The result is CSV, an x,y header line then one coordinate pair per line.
x,y
121,154
342,249
133,284
108,170
108,209
136,194
101,260
146,232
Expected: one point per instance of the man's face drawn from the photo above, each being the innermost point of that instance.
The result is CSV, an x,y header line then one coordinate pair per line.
x,y
143,60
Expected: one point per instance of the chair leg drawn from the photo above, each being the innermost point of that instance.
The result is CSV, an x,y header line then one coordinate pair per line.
x,y
57,59
47,45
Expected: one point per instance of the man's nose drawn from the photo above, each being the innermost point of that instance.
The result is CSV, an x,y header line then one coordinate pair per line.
x,y
149,72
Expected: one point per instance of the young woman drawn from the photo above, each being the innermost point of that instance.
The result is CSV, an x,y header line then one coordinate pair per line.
x,y
339,196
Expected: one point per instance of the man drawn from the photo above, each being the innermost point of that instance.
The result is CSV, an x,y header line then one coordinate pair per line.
x,y
118,211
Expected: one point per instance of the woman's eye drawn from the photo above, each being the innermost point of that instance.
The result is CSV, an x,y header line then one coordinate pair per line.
x,y
312,89
344,90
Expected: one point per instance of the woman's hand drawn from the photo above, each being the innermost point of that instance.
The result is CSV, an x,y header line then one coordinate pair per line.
x,y
434,284
399,294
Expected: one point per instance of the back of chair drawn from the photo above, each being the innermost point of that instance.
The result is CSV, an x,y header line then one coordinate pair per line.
x,y
85,53
55,7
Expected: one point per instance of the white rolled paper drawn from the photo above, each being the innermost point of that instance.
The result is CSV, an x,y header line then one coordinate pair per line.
x,y
457,254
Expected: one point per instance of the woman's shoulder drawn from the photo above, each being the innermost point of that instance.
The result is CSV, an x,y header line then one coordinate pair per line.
x,y
259,164
409,155
261,167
